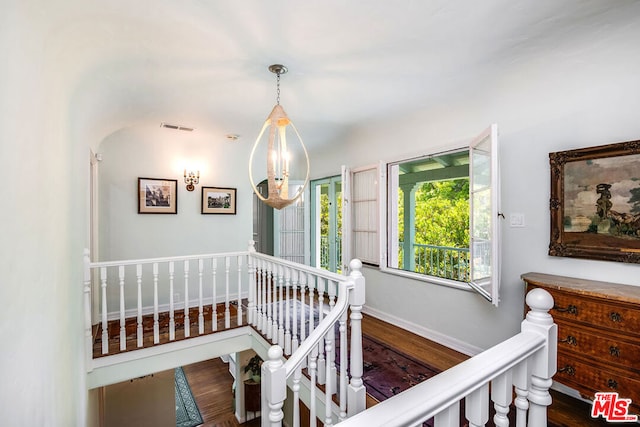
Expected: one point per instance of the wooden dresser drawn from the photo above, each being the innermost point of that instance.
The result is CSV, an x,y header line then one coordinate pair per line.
x,y
598,334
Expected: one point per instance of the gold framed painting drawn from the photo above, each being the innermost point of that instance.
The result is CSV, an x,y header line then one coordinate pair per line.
x,y
218,200
157,196
595,202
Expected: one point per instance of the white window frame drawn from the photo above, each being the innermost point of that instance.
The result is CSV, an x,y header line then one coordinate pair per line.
x,y
488,288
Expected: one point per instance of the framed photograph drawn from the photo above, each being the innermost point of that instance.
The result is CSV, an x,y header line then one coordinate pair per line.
x,y
595,202
157,196
218,200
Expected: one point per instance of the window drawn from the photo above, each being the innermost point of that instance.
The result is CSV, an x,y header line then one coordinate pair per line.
x,y
326,223
442,217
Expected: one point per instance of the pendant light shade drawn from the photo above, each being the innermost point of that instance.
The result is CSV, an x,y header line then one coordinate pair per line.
x,y
280,154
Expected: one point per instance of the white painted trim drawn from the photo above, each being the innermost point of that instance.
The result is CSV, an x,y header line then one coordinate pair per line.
x,y
432,335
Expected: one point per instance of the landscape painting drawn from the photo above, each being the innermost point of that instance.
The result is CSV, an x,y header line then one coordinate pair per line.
x,y
595,202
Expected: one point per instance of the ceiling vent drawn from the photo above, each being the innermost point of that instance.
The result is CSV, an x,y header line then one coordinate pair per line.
x,y
176,127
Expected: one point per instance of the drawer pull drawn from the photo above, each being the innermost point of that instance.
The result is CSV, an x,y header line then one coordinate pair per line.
x,y
570,370
614,351
613,384
571,309
615,317
570,339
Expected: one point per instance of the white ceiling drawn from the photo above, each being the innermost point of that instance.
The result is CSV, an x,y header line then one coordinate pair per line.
x,y
203,63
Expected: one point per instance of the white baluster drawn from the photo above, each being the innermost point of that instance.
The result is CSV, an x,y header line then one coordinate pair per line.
x,y
156,321
296,308
311,370
187,322
344,378
331,336
172,320
544,365
214,303
105,326
258,318
86,290
322,363
251,268
269,325
450,417
240,290
328,390
279,332
139,283
501,392
123,329
265,305
356,401
200,297
303,303
297,374
476,408
312,321
521,376
227,313
287,311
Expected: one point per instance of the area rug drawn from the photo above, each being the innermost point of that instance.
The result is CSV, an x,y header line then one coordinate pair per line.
x,y
187,412
388,372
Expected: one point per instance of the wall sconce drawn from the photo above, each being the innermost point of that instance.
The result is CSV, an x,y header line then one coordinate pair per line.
x,y
191,179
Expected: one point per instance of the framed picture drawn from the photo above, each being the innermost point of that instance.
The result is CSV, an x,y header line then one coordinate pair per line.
x,y
595,202
218,200
157,196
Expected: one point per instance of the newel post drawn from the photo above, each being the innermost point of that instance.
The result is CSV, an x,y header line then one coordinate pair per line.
x,y
544,363
251,268
357,393
86,262
274,388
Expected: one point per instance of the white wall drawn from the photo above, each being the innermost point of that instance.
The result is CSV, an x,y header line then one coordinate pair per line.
x,y
585,95
43,226
155,152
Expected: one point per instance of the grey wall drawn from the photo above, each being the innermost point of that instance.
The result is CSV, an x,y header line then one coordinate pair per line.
x,y
587,96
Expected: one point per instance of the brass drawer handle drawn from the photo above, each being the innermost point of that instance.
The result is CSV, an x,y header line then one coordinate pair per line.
x,y
614,351
570,370
571,309
615,317
571,340
613,384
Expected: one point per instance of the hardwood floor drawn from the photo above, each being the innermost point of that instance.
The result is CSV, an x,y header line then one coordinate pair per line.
x,y
211,381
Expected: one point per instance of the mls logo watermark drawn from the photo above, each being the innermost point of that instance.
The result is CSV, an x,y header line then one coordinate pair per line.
x,y
612,408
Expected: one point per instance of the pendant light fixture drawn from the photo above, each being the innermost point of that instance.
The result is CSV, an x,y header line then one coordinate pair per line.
x,y
279,154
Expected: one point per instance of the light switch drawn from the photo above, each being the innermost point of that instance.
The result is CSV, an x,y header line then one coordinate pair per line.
x,y
516,220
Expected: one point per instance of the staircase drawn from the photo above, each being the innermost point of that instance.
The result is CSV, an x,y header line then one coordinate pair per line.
x,y
144,316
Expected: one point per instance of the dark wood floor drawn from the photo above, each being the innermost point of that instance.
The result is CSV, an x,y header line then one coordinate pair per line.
x,y
211,384
211,381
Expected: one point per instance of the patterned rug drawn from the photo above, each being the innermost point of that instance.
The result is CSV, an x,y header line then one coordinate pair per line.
x,y
388,372
187,412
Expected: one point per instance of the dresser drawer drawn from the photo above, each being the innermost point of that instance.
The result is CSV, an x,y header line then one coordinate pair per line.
x,y
589,378
606,348
600,314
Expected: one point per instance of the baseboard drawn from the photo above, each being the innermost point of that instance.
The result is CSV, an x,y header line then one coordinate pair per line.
x,y
429,334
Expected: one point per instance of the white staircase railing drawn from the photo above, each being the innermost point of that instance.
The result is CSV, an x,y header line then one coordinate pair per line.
x,y
522,365
302,310
318,353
